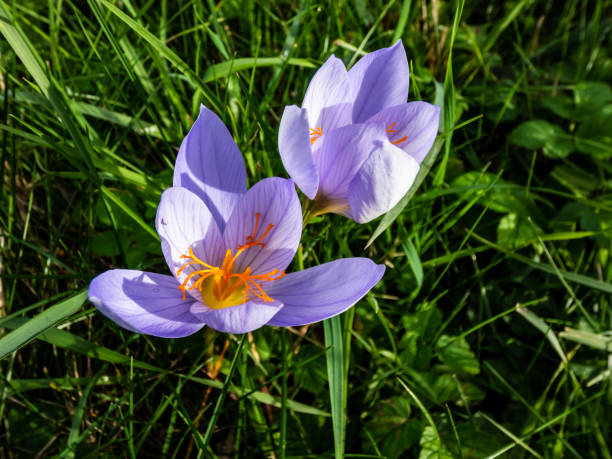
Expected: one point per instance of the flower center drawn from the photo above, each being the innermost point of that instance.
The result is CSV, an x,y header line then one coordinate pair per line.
x,y
220,286
391,130
315,134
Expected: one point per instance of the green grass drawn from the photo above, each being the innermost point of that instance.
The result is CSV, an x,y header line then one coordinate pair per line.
x,y
489,335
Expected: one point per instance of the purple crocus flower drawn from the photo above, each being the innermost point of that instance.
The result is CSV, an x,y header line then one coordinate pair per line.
x,y
355,145
227,249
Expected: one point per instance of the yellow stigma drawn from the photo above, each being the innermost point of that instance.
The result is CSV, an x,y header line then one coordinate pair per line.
x,y
220,286
315,134
391,130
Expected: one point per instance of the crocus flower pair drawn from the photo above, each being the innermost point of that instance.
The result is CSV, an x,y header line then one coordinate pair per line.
x,y
355,145
227,249
353,148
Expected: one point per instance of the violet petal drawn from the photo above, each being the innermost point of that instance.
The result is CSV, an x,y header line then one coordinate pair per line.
x,y
415,125
237,319
210,165
378,80
324,291
294,147
329,86
342,154
277,203
381,182
144,302
183,221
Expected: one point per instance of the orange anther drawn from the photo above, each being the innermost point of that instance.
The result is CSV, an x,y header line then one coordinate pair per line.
x,y
225,281
315,134
391,130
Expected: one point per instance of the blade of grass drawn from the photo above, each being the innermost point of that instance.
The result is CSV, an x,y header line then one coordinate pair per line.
x,y
67,340
124,207
449,97
573,277
335,372
225,69
37,325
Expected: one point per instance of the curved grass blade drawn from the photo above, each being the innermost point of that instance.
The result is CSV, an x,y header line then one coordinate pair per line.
x,y
134,216
214,72
40,323
224,69
67,340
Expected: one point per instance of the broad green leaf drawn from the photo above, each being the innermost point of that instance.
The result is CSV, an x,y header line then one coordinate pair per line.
x,y
447,387
533,135
392,427
432,447
594,136
479,438
561,105
590,98
312,377
424,322
496,194
514,231
34,327
455,353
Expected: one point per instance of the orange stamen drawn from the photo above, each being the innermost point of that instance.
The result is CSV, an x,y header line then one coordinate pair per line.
x,y
225,282
391,130
315,134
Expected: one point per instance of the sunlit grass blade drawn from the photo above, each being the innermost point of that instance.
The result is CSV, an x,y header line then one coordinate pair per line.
x,y
335,373
40,323
58,98
67,340
449,97
125,208
225,69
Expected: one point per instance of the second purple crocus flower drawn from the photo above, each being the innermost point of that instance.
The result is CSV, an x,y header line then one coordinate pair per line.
x,y
355,145
227,249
